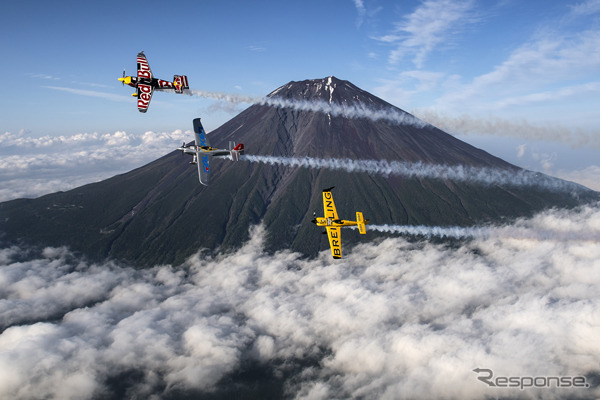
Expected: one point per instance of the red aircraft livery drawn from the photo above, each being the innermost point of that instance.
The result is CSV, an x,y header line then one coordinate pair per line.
x,y
146,83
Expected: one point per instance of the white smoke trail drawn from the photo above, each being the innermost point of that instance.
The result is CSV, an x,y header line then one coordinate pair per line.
x,y
227,97
479,175
431,231
356,110
464,124
521,230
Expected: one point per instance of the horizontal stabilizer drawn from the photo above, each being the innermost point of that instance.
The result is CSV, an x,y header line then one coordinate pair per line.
x,y
361,223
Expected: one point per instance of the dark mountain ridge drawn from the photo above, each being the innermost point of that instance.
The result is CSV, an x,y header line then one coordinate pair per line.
x,y
160,214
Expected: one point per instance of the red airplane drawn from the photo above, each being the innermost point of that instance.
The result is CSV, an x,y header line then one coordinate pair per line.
x,y
145,83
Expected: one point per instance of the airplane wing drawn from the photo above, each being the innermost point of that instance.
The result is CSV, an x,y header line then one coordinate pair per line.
x,y
335,241
203,168
328,205
144,95
143,68
201,157
333,232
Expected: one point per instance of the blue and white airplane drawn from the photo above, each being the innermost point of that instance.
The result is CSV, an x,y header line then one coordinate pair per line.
x,y
202,151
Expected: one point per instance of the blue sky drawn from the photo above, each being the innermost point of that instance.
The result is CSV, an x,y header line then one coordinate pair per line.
x,y
519,79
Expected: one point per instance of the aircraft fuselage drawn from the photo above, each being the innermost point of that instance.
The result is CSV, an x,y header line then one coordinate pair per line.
x,y
154,83
321,221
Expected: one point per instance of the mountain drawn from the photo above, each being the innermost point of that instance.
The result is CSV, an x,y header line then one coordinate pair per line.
x,y
160,214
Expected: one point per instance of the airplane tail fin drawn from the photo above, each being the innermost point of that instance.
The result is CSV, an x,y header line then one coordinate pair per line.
x,y
180,82
236,150
240,148
360,221
199,134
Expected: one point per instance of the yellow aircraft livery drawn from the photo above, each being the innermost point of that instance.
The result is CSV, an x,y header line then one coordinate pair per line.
x,y
332,223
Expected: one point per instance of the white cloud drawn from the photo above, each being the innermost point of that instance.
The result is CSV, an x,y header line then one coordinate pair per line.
x,y
516,127
546,160
392,319
258,49
550,59
585,8
408,84
589,176
431,25
91,93
361,10
521,150
551,76
576,91
32,166
43,76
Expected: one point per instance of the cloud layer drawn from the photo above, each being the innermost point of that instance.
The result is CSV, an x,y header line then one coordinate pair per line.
x,y
32,166
392,319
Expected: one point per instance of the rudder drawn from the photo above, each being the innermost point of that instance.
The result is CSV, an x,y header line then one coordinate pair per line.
x,y
180,82
236,151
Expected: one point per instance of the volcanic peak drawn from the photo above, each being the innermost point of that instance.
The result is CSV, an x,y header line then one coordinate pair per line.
x,y
330,90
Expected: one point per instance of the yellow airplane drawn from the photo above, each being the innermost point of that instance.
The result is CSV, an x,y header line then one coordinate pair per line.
x,y
333,224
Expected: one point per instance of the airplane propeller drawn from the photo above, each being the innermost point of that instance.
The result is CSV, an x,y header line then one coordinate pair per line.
x,y
314,220
123,81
